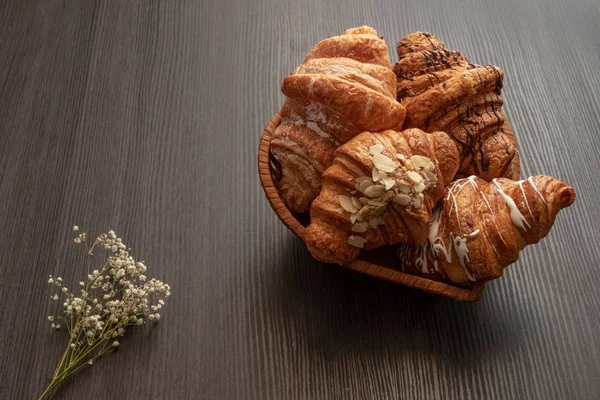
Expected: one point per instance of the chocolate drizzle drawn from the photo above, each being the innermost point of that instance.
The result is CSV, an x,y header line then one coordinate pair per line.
x,y
275,168
469,105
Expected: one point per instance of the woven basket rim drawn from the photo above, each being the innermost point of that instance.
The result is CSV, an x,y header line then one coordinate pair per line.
x,y
378,271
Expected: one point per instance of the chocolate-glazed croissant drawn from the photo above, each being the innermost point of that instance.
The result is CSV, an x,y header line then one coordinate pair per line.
x,y
442,91
480,227
343,87
380,190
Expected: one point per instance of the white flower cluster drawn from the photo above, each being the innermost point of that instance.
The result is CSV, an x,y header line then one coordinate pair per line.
x,y
111,298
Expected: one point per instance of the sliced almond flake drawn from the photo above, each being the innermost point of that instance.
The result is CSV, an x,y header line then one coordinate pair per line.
x,y
339,210
416,202
357,186
387,196
419,187
360,227
353,192
379,210
388,182
374,191
364,212
363,200
357,241
374,222
431,177
377,203
346,203
362,178
429,167
384,163
411,142
420,162
356,203
400,156
375,149
376,175
414,177
353,218
365,184
404,189
401,199
408,165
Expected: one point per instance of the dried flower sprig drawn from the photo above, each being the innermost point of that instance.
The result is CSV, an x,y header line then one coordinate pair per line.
x,y
111,299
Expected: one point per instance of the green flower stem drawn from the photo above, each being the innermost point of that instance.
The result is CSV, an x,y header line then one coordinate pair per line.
x,y
74,365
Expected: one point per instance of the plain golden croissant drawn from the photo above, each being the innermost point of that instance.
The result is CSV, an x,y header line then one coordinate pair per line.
x,y
344,86
480,227
442,91
380,189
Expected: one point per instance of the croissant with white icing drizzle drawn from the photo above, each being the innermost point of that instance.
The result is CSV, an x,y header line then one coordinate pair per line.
x,y
344,86
443,91
480,227
380,189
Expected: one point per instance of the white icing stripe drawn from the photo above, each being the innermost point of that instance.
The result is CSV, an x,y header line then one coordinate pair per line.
x,y
535,188
460,246
486,201
494,222
437,245
520,183
474,234
515,215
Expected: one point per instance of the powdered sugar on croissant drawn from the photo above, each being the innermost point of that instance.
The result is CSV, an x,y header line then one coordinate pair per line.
x,y
344,86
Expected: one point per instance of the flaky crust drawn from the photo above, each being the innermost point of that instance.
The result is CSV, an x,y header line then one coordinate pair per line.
x,y
343,87
361,44
328,234
441,90
480,227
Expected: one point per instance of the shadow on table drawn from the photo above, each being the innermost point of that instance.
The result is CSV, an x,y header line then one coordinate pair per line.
x,y
336,310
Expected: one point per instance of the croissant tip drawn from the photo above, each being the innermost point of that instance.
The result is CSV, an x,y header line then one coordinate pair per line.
x,y
566,196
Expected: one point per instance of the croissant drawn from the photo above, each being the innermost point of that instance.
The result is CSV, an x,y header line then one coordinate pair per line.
x,y
344,86
480,227
443,91
380,189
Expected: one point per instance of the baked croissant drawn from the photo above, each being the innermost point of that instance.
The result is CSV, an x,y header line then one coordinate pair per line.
x,y
443,91
380,189
344,86
480,227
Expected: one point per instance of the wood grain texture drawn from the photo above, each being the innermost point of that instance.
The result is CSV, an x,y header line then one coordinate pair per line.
x,y
145,117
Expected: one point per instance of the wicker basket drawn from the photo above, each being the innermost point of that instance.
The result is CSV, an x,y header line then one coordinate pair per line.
x,y
382,262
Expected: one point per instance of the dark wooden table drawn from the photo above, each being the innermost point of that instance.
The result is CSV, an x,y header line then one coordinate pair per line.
x,y
145,116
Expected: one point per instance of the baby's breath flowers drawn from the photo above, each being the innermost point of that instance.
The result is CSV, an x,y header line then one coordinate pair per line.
x,y
116,295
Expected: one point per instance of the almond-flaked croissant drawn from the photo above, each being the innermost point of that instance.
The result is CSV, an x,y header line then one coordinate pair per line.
x,y
380,189
343,87
480,227
442,91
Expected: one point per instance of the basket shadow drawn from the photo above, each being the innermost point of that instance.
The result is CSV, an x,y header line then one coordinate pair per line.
x,y
337,311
